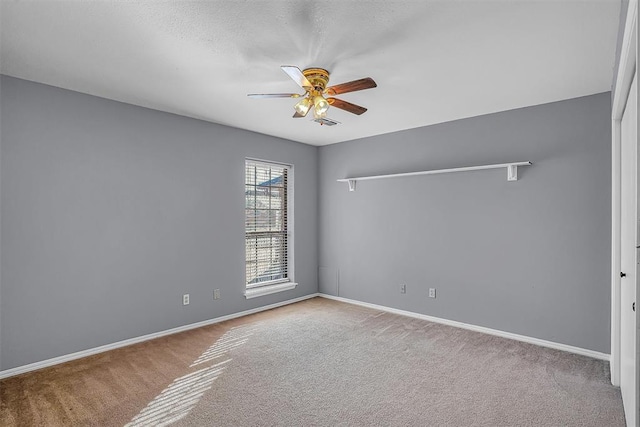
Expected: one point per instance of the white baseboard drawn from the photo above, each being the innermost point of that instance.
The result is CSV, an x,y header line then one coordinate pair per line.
x,y
509,335
89,352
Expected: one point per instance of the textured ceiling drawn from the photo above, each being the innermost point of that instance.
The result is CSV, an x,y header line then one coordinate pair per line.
x,y
434,61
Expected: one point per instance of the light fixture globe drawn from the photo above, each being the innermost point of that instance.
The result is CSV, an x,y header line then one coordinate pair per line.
x,y
317,115
321,105
303,106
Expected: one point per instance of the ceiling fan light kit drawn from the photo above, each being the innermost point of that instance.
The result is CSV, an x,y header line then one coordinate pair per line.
x,y
314,81
321,106
303,106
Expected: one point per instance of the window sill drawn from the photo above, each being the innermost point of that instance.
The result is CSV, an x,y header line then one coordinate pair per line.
x,y
269,289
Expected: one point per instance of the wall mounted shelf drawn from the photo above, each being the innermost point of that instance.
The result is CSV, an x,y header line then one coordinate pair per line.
x,y
512,173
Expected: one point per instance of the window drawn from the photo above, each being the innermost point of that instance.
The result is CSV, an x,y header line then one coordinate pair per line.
x,y
267,228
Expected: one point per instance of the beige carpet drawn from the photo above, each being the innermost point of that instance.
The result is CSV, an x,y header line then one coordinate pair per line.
x,y
326,363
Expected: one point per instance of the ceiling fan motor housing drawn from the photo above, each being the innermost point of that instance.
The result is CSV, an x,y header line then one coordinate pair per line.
x,y
318,77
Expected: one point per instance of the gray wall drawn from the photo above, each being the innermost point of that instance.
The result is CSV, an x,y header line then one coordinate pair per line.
x,y
530,257
110,212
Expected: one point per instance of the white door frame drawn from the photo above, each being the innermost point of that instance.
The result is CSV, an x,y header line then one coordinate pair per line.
x,y
626,72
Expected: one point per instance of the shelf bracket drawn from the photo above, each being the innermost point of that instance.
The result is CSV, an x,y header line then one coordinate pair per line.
x,y
352,184
512,172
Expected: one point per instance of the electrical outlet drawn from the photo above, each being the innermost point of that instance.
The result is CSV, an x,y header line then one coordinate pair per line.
x,y
185,299
432,292
216,294
403,289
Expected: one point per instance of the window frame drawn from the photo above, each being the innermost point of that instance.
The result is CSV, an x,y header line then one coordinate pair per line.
x,y
278,285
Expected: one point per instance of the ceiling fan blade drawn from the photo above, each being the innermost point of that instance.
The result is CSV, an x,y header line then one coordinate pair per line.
x,y
366,83
326,121
297,76
275,95
346,106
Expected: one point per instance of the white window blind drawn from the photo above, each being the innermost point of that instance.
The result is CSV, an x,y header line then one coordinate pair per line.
x,y
266,220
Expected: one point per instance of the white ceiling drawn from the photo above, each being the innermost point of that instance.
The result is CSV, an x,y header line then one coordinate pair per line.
x,y
434,61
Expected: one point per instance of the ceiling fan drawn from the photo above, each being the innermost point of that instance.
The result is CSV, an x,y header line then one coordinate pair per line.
x,y
314,81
